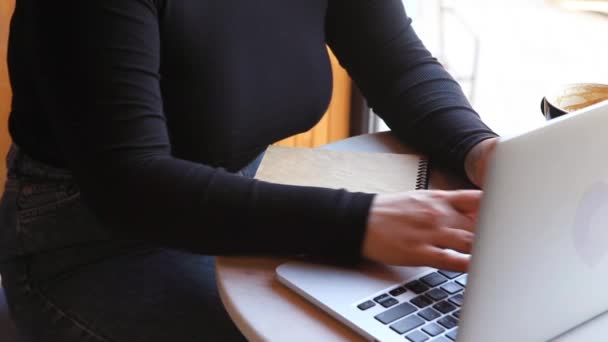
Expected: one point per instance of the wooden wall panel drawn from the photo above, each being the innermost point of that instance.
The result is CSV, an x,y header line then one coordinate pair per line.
x,y
339,109
6,10
335,123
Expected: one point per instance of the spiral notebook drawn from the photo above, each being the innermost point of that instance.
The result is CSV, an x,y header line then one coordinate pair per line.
x,y
353,171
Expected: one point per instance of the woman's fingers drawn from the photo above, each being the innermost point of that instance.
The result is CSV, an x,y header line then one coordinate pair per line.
x,y
438,212
457,220
464,201
433,209
445,260
462,208
456,239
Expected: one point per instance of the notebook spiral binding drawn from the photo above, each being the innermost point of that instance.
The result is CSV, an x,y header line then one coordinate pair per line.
x,y
422,179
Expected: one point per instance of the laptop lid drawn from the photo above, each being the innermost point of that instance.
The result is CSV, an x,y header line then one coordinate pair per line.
x,y
540,259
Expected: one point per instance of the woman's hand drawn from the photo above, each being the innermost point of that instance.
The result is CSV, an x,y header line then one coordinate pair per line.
x,y
476,161
415,228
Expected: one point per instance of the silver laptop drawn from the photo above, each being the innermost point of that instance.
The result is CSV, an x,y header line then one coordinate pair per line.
x,y
540,260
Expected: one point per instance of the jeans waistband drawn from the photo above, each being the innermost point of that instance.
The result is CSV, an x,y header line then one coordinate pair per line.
x,y
19,163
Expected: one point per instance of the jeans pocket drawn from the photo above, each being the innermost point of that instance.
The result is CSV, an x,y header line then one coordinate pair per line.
x,y
51,214
40,200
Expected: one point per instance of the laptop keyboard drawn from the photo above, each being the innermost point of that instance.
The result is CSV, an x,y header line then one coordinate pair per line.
x,y
432,315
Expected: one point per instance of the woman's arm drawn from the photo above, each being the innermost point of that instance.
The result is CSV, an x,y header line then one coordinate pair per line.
x,y
403,83
97,74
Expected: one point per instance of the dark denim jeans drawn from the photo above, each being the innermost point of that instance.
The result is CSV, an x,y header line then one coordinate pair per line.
x,y
67,280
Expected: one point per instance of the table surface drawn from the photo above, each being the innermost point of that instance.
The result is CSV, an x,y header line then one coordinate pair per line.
x,y
263,308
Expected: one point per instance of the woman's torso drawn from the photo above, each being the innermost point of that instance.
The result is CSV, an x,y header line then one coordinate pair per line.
x,y
235,75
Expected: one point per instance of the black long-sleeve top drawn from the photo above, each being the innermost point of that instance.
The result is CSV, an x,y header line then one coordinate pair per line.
x,y
148,102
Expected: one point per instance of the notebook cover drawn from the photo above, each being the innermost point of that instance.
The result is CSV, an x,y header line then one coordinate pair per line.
x,y
353,171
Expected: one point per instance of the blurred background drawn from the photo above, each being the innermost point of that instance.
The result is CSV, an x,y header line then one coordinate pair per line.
x,y
507,54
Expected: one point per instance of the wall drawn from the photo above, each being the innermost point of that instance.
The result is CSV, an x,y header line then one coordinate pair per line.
x,y
6,9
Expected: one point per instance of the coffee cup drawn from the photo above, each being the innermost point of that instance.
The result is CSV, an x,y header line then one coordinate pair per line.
x,y
572,97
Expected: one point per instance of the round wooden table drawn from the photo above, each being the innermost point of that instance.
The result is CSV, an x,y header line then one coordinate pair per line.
x,y
265,310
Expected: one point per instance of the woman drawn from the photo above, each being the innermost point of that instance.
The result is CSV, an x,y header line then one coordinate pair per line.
x,y
137,124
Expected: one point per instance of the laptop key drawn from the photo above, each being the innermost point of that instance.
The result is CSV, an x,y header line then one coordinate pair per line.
x,y
397,291
450,274
381,297
452,334
416,286
417,336
437,294
421,301
395,313
451,288
457,314
389,302
433,329
457,299
366,305
429,314
386,300
434,279
448,322
462,280
444,307
409,323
